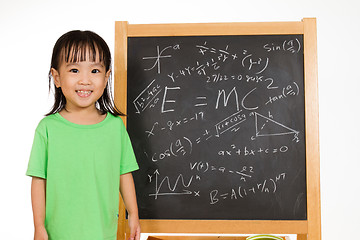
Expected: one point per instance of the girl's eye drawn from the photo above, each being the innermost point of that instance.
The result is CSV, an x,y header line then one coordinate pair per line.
x,y
74,70
95,71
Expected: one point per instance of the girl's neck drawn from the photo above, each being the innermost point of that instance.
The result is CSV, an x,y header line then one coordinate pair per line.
x,y
83,117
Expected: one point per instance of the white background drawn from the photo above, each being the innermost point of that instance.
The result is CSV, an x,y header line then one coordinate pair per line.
x,y
29,30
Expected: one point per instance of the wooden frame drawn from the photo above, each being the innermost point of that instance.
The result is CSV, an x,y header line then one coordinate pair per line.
x,y
305,229
200,238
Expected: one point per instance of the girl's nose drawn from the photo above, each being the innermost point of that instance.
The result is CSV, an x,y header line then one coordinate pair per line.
x,y
81,82
85,79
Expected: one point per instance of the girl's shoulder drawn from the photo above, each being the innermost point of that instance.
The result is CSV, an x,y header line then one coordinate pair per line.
x,y
44,124
116,120
50,119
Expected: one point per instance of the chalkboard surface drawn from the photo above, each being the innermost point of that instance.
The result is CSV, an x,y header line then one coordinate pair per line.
x,y
217,126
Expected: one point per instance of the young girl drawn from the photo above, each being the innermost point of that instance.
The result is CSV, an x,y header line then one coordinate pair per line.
x,y
81,154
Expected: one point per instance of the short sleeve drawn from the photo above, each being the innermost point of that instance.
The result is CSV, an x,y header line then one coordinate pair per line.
x,y
37,166
128,161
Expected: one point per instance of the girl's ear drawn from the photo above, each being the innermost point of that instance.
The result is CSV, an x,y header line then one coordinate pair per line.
x,y
56,76
107,76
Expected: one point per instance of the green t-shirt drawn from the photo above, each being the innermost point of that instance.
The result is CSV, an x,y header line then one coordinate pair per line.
x,y
82,165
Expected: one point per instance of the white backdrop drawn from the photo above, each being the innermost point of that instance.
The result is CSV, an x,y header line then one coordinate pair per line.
x,y
29,30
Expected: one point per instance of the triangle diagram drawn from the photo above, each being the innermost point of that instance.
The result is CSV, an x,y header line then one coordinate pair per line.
x,y
268,127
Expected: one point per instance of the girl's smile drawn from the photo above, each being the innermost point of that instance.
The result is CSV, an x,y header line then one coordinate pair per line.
x,y
83,93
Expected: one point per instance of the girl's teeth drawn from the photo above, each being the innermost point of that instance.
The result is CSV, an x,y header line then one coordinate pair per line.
x,y
84,91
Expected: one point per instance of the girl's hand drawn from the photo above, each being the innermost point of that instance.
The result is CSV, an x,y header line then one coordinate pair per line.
x,y
134,225
40,233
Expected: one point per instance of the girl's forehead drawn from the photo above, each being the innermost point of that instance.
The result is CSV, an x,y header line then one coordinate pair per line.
x,y
82,54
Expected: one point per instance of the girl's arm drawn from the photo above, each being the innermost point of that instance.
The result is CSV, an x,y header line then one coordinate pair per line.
x,y
38,186
127,190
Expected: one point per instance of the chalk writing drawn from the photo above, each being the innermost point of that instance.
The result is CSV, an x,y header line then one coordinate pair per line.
x,y
266,127
172,124
214,78
248,151
267,186
178,148
146,97
289,90
204,167
229,123
222,119
293,46
170,190
159,56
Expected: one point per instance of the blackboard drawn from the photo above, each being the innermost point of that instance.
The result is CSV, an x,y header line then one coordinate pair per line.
x,y
217,124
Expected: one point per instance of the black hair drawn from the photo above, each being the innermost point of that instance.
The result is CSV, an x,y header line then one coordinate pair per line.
x,y
76,46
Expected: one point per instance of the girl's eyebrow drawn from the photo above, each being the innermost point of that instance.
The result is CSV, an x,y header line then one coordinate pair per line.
x,y
98,65
77,64
71,64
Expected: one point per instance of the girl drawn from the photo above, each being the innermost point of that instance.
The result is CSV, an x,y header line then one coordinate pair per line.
x,y
81,154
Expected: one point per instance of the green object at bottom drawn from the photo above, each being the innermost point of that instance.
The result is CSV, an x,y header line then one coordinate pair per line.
x,y
264,237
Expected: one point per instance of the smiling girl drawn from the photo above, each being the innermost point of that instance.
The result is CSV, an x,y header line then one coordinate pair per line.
x,y
81,155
